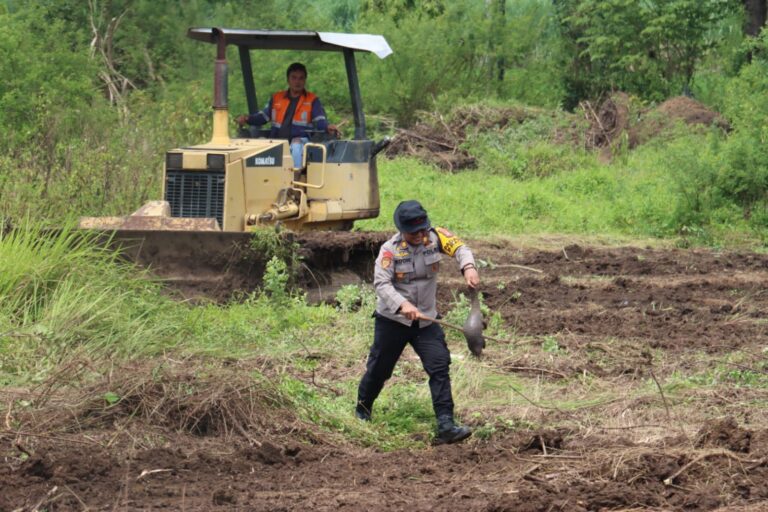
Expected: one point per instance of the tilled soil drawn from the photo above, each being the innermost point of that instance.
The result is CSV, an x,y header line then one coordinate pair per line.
x,y
515,473
623,315
671,299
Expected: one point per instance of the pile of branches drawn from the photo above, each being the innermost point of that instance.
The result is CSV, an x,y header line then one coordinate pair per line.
x,y
441,141
607,121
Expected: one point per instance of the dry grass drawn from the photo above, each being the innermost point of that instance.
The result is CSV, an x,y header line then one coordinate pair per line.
x,y
191,397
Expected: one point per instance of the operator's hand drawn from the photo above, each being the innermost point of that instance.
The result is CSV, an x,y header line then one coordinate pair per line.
x,y
471,277
242,120
334,130
409,311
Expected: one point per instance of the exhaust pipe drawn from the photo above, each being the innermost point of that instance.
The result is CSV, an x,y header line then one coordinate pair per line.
x,y
220,107
380,146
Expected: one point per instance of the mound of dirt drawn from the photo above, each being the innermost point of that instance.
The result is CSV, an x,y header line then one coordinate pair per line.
x,y
691,111
224,402
680,109
724,433
609,121
619,120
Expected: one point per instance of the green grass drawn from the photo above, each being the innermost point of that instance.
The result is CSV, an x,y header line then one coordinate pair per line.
x,y
735,370
477,203
65,299
61,294
652,191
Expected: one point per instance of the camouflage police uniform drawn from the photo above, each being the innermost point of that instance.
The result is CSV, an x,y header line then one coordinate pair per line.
x,y
404,272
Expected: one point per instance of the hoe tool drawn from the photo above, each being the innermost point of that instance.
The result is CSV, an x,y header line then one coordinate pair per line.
x,y
473,326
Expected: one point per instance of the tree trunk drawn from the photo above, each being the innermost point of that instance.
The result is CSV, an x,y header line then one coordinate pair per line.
x,y
756,11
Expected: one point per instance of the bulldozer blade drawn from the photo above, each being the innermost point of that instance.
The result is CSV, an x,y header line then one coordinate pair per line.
x,y
154,223
217,264
154,216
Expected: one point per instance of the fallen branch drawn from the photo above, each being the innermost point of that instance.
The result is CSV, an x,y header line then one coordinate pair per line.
x,y
510,342
45,498
538,405
449,131
8,415
629,427
512,265
48,436
247,436
425,139
533,369
150,472
77,497
661,392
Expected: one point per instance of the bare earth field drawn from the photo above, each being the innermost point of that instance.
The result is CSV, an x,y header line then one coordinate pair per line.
x,y
641,384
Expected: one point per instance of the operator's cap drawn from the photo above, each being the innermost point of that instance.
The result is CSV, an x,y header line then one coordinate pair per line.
x,y
410,217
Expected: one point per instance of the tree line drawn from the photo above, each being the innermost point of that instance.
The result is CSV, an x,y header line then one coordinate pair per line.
x,y
112,83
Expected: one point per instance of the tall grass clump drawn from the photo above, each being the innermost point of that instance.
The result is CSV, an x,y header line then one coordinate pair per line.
x,y
61,294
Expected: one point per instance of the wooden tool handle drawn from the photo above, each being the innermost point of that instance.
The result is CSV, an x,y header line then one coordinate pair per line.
x,y
441,322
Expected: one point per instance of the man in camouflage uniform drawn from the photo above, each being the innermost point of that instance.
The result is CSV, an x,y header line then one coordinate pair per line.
x,y
405,280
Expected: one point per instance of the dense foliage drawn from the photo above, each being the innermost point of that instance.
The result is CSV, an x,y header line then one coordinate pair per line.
x,y
94,92
646,48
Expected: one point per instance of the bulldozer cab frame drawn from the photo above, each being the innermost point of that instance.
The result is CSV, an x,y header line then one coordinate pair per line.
x,y
347,44
337,181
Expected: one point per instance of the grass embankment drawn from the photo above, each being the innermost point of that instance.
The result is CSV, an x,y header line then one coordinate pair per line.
x,y
662,190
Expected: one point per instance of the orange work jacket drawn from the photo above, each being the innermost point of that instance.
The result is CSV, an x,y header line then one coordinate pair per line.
x,y
302,116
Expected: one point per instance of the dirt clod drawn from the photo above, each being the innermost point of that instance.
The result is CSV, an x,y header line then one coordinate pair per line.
x,y
724,433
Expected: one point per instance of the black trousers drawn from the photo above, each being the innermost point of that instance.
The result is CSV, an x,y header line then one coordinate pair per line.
x,y
389,340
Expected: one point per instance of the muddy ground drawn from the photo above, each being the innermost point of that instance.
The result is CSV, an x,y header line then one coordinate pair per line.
x,y
611,319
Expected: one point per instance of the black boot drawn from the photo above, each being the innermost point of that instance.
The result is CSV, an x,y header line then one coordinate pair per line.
x,y
362,412
448,432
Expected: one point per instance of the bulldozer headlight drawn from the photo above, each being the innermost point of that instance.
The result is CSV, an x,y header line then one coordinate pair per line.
x,y
174,161
215,161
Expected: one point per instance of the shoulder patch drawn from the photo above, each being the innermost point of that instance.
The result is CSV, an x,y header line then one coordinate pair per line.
x,y
386,259
449,242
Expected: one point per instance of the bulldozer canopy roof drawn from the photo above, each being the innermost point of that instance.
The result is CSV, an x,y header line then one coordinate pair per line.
x,y
294,40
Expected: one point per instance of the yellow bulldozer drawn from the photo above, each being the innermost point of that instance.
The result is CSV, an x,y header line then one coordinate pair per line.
x,y
216,194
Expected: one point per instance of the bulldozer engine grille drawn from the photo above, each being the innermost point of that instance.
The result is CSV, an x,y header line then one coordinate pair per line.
x,y
195,194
